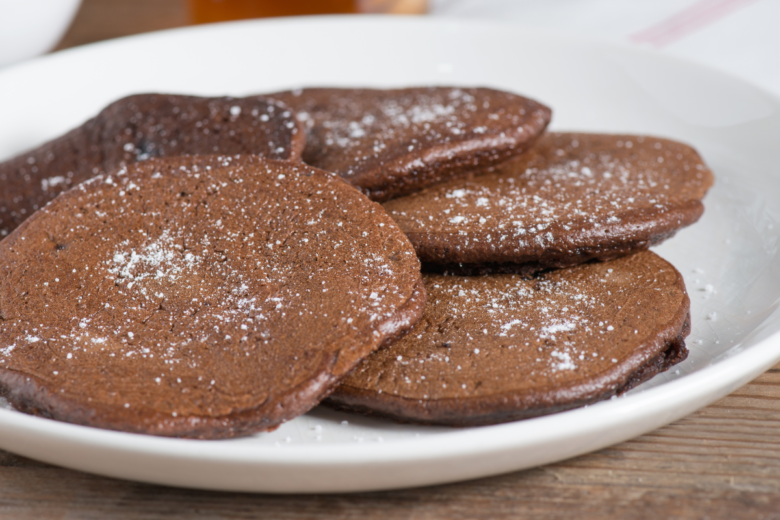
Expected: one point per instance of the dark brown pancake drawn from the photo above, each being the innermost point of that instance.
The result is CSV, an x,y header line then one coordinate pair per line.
x,y
498,348
140,127
571,198
393,142
199,297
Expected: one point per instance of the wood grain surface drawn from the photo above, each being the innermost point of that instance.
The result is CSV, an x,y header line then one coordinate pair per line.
x,y
722,462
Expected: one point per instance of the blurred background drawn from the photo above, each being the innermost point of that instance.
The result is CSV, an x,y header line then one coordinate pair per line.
x,y
739,36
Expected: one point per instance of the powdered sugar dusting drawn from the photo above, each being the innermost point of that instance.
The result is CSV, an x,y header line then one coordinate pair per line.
x,y
565,362
160,259
389,117
52,182
550,330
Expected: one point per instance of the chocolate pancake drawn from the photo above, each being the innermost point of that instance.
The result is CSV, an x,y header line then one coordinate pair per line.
x,y
571,198
137,128
497,348
393,142
199,296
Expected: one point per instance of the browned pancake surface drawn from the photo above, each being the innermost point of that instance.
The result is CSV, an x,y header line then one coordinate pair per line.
x,y
571,198
496,348
140,127
201,297
393,142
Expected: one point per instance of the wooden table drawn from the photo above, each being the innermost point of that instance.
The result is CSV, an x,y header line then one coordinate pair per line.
x,y
722,462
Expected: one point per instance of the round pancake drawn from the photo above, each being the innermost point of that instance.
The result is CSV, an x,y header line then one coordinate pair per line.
x,y
139,127
199,296
571,198
393,142
497,348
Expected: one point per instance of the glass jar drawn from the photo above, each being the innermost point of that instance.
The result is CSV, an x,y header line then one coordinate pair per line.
x,y
207,11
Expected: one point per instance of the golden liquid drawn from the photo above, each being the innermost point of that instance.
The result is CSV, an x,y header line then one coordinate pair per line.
x,y
206,11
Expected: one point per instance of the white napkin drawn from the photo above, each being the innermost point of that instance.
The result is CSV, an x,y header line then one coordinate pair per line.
x,y
737,36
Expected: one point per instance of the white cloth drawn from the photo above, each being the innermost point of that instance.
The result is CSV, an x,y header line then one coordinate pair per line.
x,y
738,36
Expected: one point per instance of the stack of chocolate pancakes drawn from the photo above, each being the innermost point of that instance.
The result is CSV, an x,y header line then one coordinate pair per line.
x,y
209,268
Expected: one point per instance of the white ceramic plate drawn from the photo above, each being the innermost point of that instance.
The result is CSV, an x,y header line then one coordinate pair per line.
x,y
729,259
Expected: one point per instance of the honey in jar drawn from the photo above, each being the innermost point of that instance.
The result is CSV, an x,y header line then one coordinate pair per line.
x,y
206,11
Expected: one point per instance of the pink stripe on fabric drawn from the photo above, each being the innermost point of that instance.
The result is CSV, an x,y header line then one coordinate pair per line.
x,y
687,21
